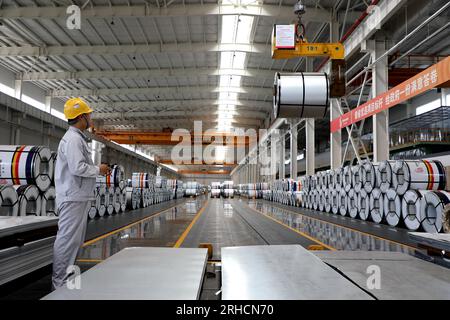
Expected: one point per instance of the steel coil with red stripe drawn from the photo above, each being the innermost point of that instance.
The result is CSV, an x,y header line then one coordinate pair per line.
x,y
26,165
114,179
418,175
142,180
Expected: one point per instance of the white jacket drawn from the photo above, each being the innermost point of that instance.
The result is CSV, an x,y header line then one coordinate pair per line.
x,y
75,172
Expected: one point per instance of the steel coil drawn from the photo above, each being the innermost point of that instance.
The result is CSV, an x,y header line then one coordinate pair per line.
x,y
133,198
418,175
117,195
310,198
29,200
306,183
9,202
368,173
327,201
363,205
376,205
113,179
321,200
313,182
94,205
325,180
316,199
347,178
143,199
343,203
356,178
111,195
412,209
319,177
123,200
301,95
142,180
335,201
26,165
330,178
104,201
48,205
161,182
122,185
352,205
338,175
392,207
384,175
433,210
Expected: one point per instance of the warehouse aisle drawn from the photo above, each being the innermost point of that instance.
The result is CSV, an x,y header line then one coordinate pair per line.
x,y
230,222
161,229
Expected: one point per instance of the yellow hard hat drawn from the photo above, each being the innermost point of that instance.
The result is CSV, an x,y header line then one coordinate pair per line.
x,y
75,107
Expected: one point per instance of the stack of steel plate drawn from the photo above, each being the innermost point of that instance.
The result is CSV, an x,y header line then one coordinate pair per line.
x,y
26,244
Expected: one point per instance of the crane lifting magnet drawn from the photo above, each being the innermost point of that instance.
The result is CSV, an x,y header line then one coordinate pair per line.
x,y
289,41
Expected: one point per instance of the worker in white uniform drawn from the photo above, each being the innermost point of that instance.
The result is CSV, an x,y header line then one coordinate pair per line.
x,y
75,179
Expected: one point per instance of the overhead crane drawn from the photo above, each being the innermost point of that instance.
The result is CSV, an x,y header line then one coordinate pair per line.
x,y
170,138
289,42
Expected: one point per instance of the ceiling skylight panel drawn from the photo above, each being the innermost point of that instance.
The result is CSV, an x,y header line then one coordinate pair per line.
x,y
235,81
229,26
244,29
227,107
224,81
226,96
226,60
238,61
225,116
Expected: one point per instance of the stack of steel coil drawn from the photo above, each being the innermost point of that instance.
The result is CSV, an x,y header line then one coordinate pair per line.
x,y
26,179
287,191
192,189
27,185
409,193
110,194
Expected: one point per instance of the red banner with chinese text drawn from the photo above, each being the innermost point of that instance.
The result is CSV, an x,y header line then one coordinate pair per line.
x,y
437,75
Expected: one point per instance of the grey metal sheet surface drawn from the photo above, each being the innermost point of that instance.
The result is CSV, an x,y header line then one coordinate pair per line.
x,y
285,272
436,240
12,225
142,274
401,276
16,262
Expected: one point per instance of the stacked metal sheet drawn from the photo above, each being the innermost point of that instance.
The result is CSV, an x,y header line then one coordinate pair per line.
x,y
18,258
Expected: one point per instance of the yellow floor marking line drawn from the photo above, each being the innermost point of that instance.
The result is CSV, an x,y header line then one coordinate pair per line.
x,y
88,243
296,231
89,260
349,228
186,232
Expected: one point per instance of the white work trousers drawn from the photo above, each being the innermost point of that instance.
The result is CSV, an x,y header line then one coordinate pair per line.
x,y
71,233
